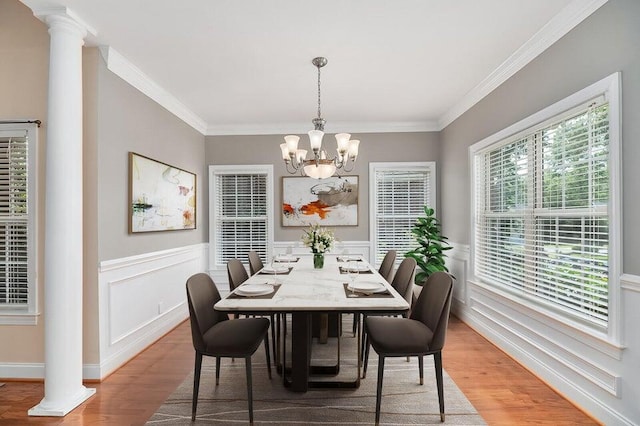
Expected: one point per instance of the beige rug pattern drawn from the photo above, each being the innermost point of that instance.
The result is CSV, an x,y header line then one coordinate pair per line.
x,y
404,401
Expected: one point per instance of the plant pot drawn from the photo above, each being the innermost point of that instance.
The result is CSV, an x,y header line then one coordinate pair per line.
x,y
318,260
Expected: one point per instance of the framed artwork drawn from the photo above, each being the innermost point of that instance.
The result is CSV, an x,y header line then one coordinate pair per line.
x,y
161,197
326,202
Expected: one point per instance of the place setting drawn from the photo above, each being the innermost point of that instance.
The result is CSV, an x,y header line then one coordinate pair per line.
x,y
357,266
256,290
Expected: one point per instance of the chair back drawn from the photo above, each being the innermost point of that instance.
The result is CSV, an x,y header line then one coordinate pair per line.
x,y
237,273
255,263
386,267
433,306
403,280
202,294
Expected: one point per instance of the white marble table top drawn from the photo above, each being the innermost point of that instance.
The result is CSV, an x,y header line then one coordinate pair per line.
x,y
309,289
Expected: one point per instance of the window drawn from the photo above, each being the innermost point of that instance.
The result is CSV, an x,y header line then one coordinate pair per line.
x,y
17,224
241,210
398,193
543,208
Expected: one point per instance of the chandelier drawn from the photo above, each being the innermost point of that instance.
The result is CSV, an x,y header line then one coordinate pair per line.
x,y
320,166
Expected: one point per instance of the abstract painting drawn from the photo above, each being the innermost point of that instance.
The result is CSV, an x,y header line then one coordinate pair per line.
x,y
162,197
326,202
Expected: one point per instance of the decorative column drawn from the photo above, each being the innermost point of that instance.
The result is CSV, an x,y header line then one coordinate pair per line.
x,y
63,388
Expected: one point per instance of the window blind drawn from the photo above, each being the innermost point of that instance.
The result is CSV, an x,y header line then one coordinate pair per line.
x,y
400,197
14,284
241,219
542,227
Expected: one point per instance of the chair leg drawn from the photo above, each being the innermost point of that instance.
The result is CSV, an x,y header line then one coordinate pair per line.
x,y
379,390
366,358
247,361
421,369
437,358
196,385
273,337
217,370
266,350
356,320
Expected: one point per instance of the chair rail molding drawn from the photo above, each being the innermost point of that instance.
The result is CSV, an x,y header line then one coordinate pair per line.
x,y
141,298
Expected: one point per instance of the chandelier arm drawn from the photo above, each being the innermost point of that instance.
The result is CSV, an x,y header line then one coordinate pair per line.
x,y
291,172
347,170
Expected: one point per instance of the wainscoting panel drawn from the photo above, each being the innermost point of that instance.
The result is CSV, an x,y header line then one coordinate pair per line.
x,y
457,262
584,367
142,298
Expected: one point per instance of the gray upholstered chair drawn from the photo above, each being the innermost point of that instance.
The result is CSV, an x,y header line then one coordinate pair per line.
x,y
214,335
423,333
237,273
255,263
403,284
386,267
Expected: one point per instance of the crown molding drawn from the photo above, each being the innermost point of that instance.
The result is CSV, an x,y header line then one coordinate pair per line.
x,y
335,127
574,13
120,66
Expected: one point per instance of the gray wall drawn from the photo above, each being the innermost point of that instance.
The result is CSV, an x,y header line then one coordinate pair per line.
x,y
374,147
130,121
606,42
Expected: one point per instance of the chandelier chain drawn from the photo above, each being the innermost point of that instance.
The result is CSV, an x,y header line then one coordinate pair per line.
x,y
319,112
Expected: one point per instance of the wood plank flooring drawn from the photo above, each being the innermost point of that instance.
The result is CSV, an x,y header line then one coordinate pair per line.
x,y
503,392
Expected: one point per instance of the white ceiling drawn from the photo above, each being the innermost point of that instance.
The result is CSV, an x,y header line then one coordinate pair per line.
x,y
244,66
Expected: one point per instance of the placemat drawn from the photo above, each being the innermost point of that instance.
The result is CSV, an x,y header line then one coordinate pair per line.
x,y
351,294
344,271
273,273
264,296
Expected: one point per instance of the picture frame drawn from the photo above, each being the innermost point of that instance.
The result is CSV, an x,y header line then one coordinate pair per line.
x,y
326,202
161,197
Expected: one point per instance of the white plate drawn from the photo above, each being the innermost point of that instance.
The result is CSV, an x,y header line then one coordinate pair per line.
x,y
277,269
367,287
285,258
350,259
254,290
357,267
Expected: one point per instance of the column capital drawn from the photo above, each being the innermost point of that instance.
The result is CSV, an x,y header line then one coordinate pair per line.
x,y
60,17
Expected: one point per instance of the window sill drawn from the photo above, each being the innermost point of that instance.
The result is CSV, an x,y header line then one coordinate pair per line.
x,y
18,318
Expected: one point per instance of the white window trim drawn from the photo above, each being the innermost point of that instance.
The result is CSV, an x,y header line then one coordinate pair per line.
x,y
374,167
28,316
234,170
609,87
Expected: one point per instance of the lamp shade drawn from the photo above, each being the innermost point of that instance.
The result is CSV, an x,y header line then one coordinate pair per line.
x,y
301,155
319,171
353,148
343,141
315,139
285,151
292,142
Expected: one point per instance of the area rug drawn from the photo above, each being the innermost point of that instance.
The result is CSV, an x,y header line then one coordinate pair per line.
x,y
404,401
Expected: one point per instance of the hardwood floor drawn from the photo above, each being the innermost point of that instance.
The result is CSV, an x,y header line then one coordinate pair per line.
x,y
503,392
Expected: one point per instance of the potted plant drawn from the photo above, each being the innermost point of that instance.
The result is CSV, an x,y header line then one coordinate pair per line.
x,y
429,255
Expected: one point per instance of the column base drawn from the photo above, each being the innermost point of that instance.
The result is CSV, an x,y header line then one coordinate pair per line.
x,y
64,407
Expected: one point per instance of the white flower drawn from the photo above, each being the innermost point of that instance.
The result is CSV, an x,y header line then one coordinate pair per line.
x,y
319,240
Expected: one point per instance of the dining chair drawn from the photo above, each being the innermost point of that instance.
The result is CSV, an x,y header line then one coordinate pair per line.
x,y
403,284
237,274
423,333
255,263
214,335
386,268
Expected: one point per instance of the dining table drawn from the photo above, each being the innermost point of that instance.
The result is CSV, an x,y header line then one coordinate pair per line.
x,y
292,286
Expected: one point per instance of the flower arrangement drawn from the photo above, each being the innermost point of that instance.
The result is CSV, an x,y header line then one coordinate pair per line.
x,y
318,239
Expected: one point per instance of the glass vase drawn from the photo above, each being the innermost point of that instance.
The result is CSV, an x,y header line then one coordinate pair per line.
x,y
318,260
